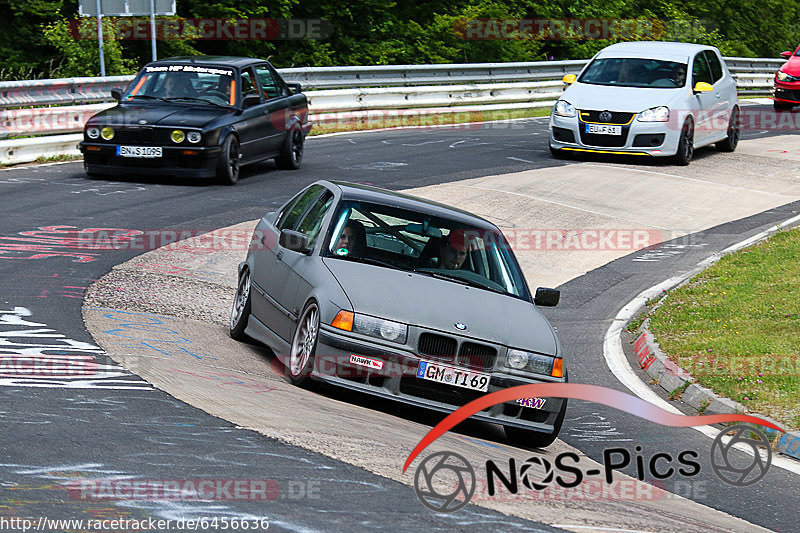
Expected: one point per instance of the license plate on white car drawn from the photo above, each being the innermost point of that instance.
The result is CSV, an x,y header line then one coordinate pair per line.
x,y
451,375
139,151
603,129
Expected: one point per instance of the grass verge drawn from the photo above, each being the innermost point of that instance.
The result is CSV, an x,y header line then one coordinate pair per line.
x,y
736,327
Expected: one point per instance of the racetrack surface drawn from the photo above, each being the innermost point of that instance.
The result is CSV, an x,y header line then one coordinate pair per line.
x,y
88,421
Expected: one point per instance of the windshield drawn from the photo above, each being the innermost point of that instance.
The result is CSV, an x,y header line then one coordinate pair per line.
x,y
432,246
635,72
189,83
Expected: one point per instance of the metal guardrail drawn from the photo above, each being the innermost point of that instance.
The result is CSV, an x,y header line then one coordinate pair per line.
x,y
337,92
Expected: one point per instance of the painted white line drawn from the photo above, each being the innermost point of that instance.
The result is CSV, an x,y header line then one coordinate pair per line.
x,y
618,363
425,127
569,206
596,528
676,176
518,159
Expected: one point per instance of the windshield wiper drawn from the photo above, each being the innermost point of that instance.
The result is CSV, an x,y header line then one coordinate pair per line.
x,y
148,96
460,280
174,98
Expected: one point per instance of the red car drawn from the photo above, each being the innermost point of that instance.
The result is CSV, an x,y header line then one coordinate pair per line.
x,y
786,93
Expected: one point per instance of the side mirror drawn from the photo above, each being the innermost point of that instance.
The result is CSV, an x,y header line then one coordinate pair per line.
x,y
702,87
569,79
116,94
294,241
547,297
295,87
787,54
250,100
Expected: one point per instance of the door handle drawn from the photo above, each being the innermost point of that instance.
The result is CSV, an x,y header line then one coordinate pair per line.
x,y
279,255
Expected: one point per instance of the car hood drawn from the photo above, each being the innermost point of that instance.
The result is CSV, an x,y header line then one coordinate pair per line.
x,y
162,114
420,300
627,99
792,67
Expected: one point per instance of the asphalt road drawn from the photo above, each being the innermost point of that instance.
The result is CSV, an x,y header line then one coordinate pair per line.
x,y
54,435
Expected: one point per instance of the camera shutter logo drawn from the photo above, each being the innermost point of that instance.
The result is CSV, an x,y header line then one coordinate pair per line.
x,y
444,482
526,475
732,470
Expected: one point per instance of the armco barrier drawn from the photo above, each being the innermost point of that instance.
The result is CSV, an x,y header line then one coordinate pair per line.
x,y
332,91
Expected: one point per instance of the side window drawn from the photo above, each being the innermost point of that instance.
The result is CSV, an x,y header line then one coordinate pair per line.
x,y
295,209
248,83
716,66
700,71
312,222
270,84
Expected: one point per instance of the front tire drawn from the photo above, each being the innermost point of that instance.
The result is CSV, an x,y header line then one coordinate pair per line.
x,y
292,151
304,345
240,312
536,439
557,154
685,145
732,141
228,163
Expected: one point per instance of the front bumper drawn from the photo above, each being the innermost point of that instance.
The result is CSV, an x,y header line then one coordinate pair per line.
x,y
786,92
657,139
397,381
102,158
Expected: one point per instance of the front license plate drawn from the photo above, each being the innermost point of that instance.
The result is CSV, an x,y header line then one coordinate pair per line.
x,y
602,129
139,151
451,375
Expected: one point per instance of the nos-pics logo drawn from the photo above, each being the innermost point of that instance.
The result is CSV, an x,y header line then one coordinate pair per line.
x,y
446,481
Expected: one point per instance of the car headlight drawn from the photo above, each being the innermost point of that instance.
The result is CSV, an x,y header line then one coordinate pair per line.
x,y
655,114
193,136
782,76
92,133
371,326
564,109
107,133
535,362
177,136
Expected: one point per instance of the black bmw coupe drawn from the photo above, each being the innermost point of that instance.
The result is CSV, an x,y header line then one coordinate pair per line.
x,y
200,117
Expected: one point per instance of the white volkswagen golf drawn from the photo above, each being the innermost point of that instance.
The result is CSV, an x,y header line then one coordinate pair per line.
x,y
648,99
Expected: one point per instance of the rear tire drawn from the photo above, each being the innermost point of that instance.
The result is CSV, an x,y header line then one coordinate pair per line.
x,y
734,130
228,162
685,145
536,439
240,312
291,156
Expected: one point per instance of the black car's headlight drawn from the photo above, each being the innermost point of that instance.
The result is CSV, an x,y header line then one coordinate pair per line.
x,y
193,137
107,133
93,133
371,326
177,136
535,362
